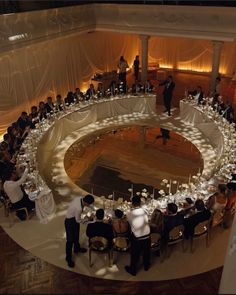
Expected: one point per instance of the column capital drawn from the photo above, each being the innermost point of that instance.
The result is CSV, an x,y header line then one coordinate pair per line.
x,y
217,43
144,37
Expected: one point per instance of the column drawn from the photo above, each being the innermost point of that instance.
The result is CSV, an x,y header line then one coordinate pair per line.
x,y
144,51
217,46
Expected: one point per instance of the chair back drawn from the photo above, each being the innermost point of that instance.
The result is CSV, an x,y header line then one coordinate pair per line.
x,y
155,240
98,243
217,217
121,243
201,228
176,233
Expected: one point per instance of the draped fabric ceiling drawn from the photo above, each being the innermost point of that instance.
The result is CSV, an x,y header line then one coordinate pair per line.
x,y
32,73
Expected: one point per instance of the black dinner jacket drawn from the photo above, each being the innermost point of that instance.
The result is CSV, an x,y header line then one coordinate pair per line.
x,y
101,229
192,221
168,89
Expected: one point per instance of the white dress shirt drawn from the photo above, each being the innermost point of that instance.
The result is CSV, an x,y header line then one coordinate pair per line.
x,y
12,188
75,209
138,220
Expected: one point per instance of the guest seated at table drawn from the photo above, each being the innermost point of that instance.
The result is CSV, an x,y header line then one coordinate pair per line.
x,y
42,111
69,99
200,214
6,164
113,88
90,93
216,101
99,228
218,201
157,222
136,87
78,95
49,106
120,224
24,121
172,218
148,87
13,190
228,112
59,103
6,145
198,94
100,91
34,116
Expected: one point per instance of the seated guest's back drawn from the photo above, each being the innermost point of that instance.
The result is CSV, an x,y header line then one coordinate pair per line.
x,y
157,221
172,219
120,224
100,228
201,214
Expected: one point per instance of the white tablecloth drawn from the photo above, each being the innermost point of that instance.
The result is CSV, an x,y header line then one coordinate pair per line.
x,y
193,115
45,205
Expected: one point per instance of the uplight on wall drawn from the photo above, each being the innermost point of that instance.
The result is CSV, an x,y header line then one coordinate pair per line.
x,y
166,66
18,37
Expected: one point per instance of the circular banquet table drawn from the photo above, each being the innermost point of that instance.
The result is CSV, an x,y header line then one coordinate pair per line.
x,y
208,131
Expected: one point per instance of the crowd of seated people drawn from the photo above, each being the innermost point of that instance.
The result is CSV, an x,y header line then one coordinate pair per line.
x,y
225,109
120,225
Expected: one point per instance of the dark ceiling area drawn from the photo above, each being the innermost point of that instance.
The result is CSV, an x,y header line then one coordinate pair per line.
x,y
29,5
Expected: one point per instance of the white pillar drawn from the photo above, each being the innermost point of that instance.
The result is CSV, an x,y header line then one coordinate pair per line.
x,y
144,51
217,46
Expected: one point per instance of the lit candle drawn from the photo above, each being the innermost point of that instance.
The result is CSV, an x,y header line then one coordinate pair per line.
x,y
153,193
170,187
132,188
92,190
177,187
189,179
113,199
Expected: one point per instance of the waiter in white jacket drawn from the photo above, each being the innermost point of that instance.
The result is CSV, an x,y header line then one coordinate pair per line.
x,y
140,237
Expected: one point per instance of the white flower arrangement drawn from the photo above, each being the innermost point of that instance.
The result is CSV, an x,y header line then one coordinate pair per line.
x,y
185,185
144,190
161,192
165,181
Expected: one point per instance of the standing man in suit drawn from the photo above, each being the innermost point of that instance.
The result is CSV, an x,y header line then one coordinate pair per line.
x,y
167,93
72,226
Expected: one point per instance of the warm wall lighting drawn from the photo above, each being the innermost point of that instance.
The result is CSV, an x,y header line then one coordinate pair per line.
x,y
166,66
